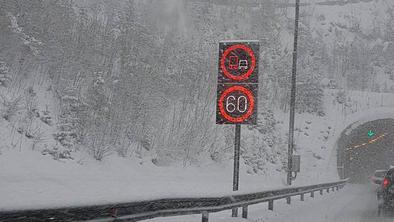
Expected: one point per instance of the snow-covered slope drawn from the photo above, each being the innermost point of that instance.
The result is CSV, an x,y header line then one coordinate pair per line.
x,y
28,114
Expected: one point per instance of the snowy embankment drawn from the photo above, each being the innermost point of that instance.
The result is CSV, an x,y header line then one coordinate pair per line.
x,y
31,180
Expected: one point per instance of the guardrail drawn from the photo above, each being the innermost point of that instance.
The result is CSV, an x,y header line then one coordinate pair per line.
x,y
136,211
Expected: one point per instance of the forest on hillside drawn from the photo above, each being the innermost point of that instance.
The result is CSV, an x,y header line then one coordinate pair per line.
x,y
138,77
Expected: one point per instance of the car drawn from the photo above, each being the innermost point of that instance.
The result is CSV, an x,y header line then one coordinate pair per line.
x,y
376,180
386,193
377,177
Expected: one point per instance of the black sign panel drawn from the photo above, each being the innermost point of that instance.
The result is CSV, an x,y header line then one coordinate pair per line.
x,y
237,82
238,62
236,104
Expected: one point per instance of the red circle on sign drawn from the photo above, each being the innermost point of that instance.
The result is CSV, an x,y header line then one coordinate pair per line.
x,y
245,75
246,92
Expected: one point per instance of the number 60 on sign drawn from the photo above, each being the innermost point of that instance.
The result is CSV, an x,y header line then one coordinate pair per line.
x,y
236,104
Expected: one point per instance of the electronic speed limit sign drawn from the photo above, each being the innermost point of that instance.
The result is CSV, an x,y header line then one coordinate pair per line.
x,y
237,82
237,104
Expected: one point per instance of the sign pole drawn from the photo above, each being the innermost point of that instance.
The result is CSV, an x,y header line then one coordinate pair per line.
x,y
292,96
237,145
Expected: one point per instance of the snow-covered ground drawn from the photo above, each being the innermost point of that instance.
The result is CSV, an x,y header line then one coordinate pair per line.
x,y
32,180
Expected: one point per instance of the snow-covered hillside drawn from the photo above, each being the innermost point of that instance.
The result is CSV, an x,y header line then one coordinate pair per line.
x,y
360,28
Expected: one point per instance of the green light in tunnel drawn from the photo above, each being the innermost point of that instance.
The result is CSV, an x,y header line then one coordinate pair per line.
x,y
371,133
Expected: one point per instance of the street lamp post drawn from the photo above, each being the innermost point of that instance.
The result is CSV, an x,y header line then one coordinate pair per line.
x,y
292,96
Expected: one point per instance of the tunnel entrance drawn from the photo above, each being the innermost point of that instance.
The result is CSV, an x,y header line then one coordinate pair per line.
x,y
366,148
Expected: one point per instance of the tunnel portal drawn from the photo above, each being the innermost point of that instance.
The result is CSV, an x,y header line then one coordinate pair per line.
x,y
366,148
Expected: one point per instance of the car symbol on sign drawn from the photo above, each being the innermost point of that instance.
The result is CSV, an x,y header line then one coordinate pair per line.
x,y
243,64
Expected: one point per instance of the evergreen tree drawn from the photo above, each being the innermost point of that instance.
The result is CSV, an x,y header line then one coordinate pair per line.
x,y
68,120
5,77
310,97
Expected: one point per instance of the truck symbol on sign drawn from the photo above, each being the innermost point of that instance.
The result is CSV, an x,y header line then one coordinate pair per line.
x,y
233,64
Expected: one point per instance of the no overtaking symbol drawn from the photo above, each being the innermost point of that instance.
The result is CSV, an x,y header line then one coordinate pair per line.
x,y
233,68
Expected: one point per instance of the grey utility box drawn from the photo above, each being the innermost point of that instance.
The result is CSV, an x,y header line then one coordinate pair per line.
x,y
295,163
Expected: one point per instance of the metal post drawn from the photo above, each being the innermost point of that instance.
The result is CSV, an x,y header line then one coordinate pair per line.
x,y
288,200
237,144
292,95
312,194
321,192
341,170
234,212
114,212
245,211
270,205
302,197
205,216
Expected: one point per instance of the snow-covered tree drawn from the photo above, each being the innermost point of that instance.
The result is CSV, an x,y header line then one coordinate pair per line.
x,y
69,122
5,77
97,119
309,97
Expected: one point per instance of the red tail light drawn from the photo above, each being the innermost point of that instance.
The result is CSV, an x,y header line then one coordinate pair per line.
x,y
386,182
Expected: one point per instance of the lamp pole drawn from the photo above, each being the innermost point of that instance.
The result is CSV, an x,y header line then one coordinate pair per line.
x,y
293,95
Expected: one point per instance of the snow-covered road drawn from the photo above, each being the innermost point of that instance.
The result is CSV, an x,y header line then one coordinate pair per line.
x,y
355,203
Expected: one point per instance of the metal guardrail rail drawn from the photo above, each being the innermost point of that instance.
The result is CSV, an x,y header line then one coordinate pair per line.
x,y
136,211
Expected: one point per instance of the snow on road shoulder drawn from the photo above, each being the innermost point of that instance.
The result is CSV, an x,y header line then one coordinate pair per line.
x,y
31,180
355,203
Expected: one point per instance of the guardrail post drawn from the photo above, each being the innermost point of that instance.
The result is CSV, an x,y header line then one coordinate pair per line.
x,y
328,190
271,205
205,216
114,212
234,212
312,194
333,189
302,197
337,187
321,192
245,211
288,200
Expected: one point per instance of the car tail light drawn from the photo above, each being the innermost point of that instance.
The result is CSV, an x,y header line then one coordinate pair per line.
x,y
386,182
